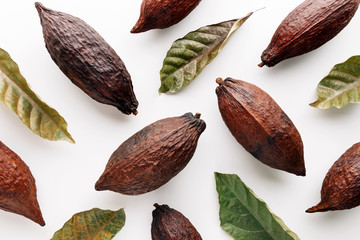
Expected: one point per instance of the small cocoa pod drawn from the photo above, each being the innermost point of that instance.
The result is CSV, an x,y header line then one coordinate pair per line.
x,y
87,59
152,156
260,125
341,186
17,186
159,14
307,27
169,224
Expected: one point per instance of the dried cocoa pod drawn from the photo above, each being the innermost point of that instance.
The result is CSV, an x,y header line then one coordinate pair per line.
x,y
87,59
169,224
152,156
260,125
307,27
17,186
159,14
341,186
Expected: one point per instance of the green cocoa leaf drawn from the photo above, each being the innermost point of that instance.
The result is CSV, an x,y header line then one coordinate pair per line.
x,y
341,86
17,95
95,224
244,216
189,55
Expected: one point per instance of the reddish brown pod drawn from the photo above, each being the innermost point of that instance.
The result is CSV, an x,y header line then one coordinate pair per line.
x,y
159,14
169,224
341,186
307,27
260,125
152,156
17,186
87,59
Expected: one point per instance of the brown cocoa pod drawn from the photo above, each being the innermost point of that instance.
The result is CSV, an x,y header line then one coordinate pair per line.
x,y
152,156
17,186
159,14
307,27
341,186
169,224
260,125
87,59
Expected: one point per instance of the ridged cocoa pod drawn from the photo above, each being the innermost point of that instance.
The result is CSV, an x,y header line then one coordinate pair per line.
x,y
307,27
152,156
87,59
341,187
17,186
169,224
159,14
260,125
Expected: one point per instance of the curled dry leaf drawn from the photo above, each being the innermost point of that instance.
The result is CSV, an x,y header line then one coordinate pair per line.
x,y
95,224
307,27
169,224
341,86
341,186
152,156
244,216
189,55
87,59
17,95
17,186
260,125
162,13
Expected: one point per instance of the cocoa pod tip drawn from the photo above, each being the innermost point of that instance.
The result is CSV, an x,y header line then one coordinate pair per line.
x,y
139,26
321,207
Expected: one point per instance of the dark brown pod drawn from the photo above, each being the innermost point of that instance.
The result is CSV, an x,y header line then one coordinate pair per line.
x,y
307,27
152,156
159,14
260,125
17,186
87,59
341,187
169,224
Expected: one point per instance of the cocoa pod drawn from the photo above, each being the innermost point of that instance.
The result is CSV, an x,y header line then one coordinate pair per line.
x,y
307,27
260,125
341,186
87,59
152,156
17,186
169,224
159,14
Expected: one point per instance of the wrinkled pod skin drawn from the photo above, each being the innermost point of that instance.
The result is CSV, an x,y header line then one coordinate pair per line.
x,y
307,27
260,125
159,14
17,186
341,186
87,59
169,224
152,156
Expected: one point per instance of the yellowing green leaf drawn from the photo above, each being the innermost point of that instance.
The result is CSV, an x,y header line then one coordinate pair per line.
x,y
189,55
246,217
341,86
17,95
95,224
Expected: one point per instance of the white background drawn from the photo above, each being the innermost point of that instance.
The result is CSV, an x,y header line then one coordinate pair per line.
x,y
65,174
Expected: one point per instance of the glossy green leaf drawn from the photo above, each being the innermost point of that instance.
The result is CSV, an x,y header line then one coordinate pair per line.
x,y
17,95
341,86
189,55
95,224
246,217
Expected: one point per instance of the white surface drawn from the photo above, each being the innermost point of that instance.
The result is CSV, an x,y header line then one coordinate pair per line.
x,y
65,174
